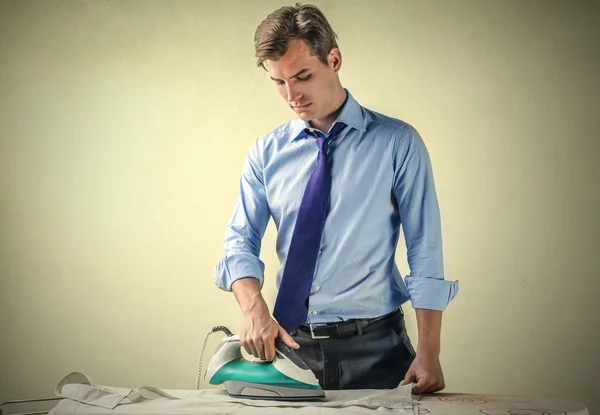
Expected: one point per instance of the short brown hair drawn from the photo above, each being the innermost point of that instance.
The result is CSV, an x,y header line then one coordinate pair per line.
x,y
303,22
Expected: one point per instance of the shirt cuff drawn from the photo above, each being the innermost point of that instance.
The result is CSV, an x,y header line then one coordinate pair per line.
x,y
238,266
431,293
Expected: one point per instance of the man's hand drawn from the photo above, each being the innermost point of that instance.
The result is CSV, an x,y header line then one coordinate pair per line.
x,y
426,372
259,330
258,335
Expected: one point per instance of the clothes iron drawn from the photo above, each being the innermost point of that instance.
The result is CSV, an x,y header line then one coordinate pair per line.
x,y
287,377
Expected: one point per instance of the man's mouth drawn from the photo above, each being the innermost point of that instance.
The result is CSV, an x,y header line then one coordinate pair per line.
x,y
303,107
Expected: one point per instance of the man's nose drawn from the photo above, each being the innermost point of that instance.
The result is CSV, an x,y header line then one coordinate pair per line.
x,y
293,94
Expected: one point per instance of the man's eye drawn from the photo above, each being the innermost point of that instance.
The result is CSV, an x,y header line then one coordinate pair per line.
x,y
306,78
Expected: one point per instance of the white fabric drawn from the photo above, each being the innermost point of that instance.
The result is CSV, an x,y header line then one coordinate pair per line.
x,y
80,387
87,397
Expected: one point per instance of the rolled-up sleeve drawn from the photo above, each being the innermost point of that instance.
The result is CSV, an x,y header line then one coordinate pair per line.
x,y
415,193
243,236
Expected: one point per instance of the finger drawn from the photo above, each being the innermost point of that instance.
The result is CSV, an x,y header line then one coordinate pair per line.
x,y
421,385
409,377
252,347
269,348
260,348
246,346
245,342
287,339
436,387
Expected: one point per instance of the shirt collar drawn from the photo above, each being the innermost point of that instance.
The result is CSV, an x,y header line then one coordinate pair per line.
x,y
351,115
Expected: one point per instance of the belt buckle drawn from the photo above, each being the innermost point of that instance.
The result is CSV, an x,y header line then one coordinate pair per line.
x,y
312,333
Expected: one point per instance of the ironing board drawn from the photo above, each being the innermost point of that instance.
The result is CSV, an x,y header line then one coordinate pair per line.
x,y
471,404
77,394
439,403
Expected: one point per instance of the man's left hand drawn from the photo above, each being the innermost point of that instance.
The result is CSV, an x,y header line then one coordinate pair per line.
x,y
426,372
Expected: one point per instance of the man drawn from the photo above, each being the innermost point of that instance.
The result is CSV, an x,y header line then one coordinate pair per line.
x,y
338,181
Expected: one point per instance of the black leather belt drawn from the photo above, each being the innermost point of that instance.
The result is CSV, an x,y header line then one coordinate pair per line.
x,y
350,327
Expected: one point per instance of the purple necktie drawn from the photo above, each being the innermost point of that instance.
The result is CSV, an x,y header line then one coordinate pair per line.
x,y
291,306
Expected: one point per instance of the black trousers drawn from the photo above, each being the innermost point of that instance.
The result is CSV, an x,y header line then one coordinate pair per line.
x,y
376,356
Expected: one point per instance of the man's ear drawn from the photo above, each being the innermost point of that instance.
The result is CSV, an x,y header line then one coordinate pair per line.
x,y
335,58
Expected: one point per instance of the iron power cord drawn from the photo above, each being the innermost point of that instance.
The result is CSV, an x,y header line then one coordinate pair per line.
x,y
214,330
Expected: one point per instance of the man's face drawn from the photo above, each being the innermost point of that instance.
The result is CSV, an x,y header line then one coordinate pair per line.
x,y
305,83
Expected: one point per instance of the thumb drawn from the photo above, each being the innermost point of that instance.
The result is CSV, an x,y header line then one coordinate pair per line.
x,y
287,339
409,378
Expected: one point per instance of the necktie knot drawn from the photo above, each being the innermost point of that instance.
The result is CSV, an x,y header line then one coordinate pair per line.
x,y
323,139
336,129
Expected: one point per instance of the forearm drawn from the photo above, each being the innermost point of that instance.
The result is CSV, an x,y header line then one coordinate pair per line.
x,y
248,295
429,324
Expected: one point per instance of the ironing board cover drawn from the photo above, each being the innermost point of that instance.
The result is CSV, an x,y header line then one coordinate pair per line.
x,y
84,396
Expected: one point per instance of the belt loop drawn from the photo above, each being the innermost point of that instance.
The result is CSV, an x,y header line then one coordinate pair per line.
x,y
358,327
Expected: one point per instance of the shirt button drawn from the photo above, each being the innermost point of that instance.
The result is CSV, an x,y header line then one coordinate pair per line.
x,y
317,287
320,251
315,313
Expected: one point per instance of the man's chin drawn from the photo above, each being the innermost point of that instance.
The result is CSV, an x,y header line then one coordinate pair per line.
x,y
304,116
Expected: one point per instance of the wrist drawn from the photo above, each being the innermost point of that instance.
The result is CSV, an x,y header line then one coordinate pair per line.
x,y
430,324
255,307
247,292
428,350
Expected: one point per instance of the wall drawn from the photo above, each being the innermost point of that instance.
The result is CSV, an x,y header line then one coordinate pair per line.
x,y
124,124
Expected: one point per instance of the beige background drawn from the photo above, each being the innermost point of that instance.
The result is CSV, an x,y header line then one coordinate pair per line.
x,y
123,126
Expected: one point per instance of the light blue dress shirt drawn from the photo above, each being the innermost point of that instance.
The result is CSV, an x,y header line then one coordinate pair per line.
x,y
381,179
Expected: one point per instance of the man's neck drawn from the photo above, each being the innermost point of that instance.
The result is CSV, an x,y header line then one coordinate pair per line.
x,y
324,124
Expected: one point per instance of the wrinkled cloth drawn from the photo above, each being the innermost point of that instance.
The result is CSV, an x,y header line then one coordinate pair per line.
x,y
84,396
